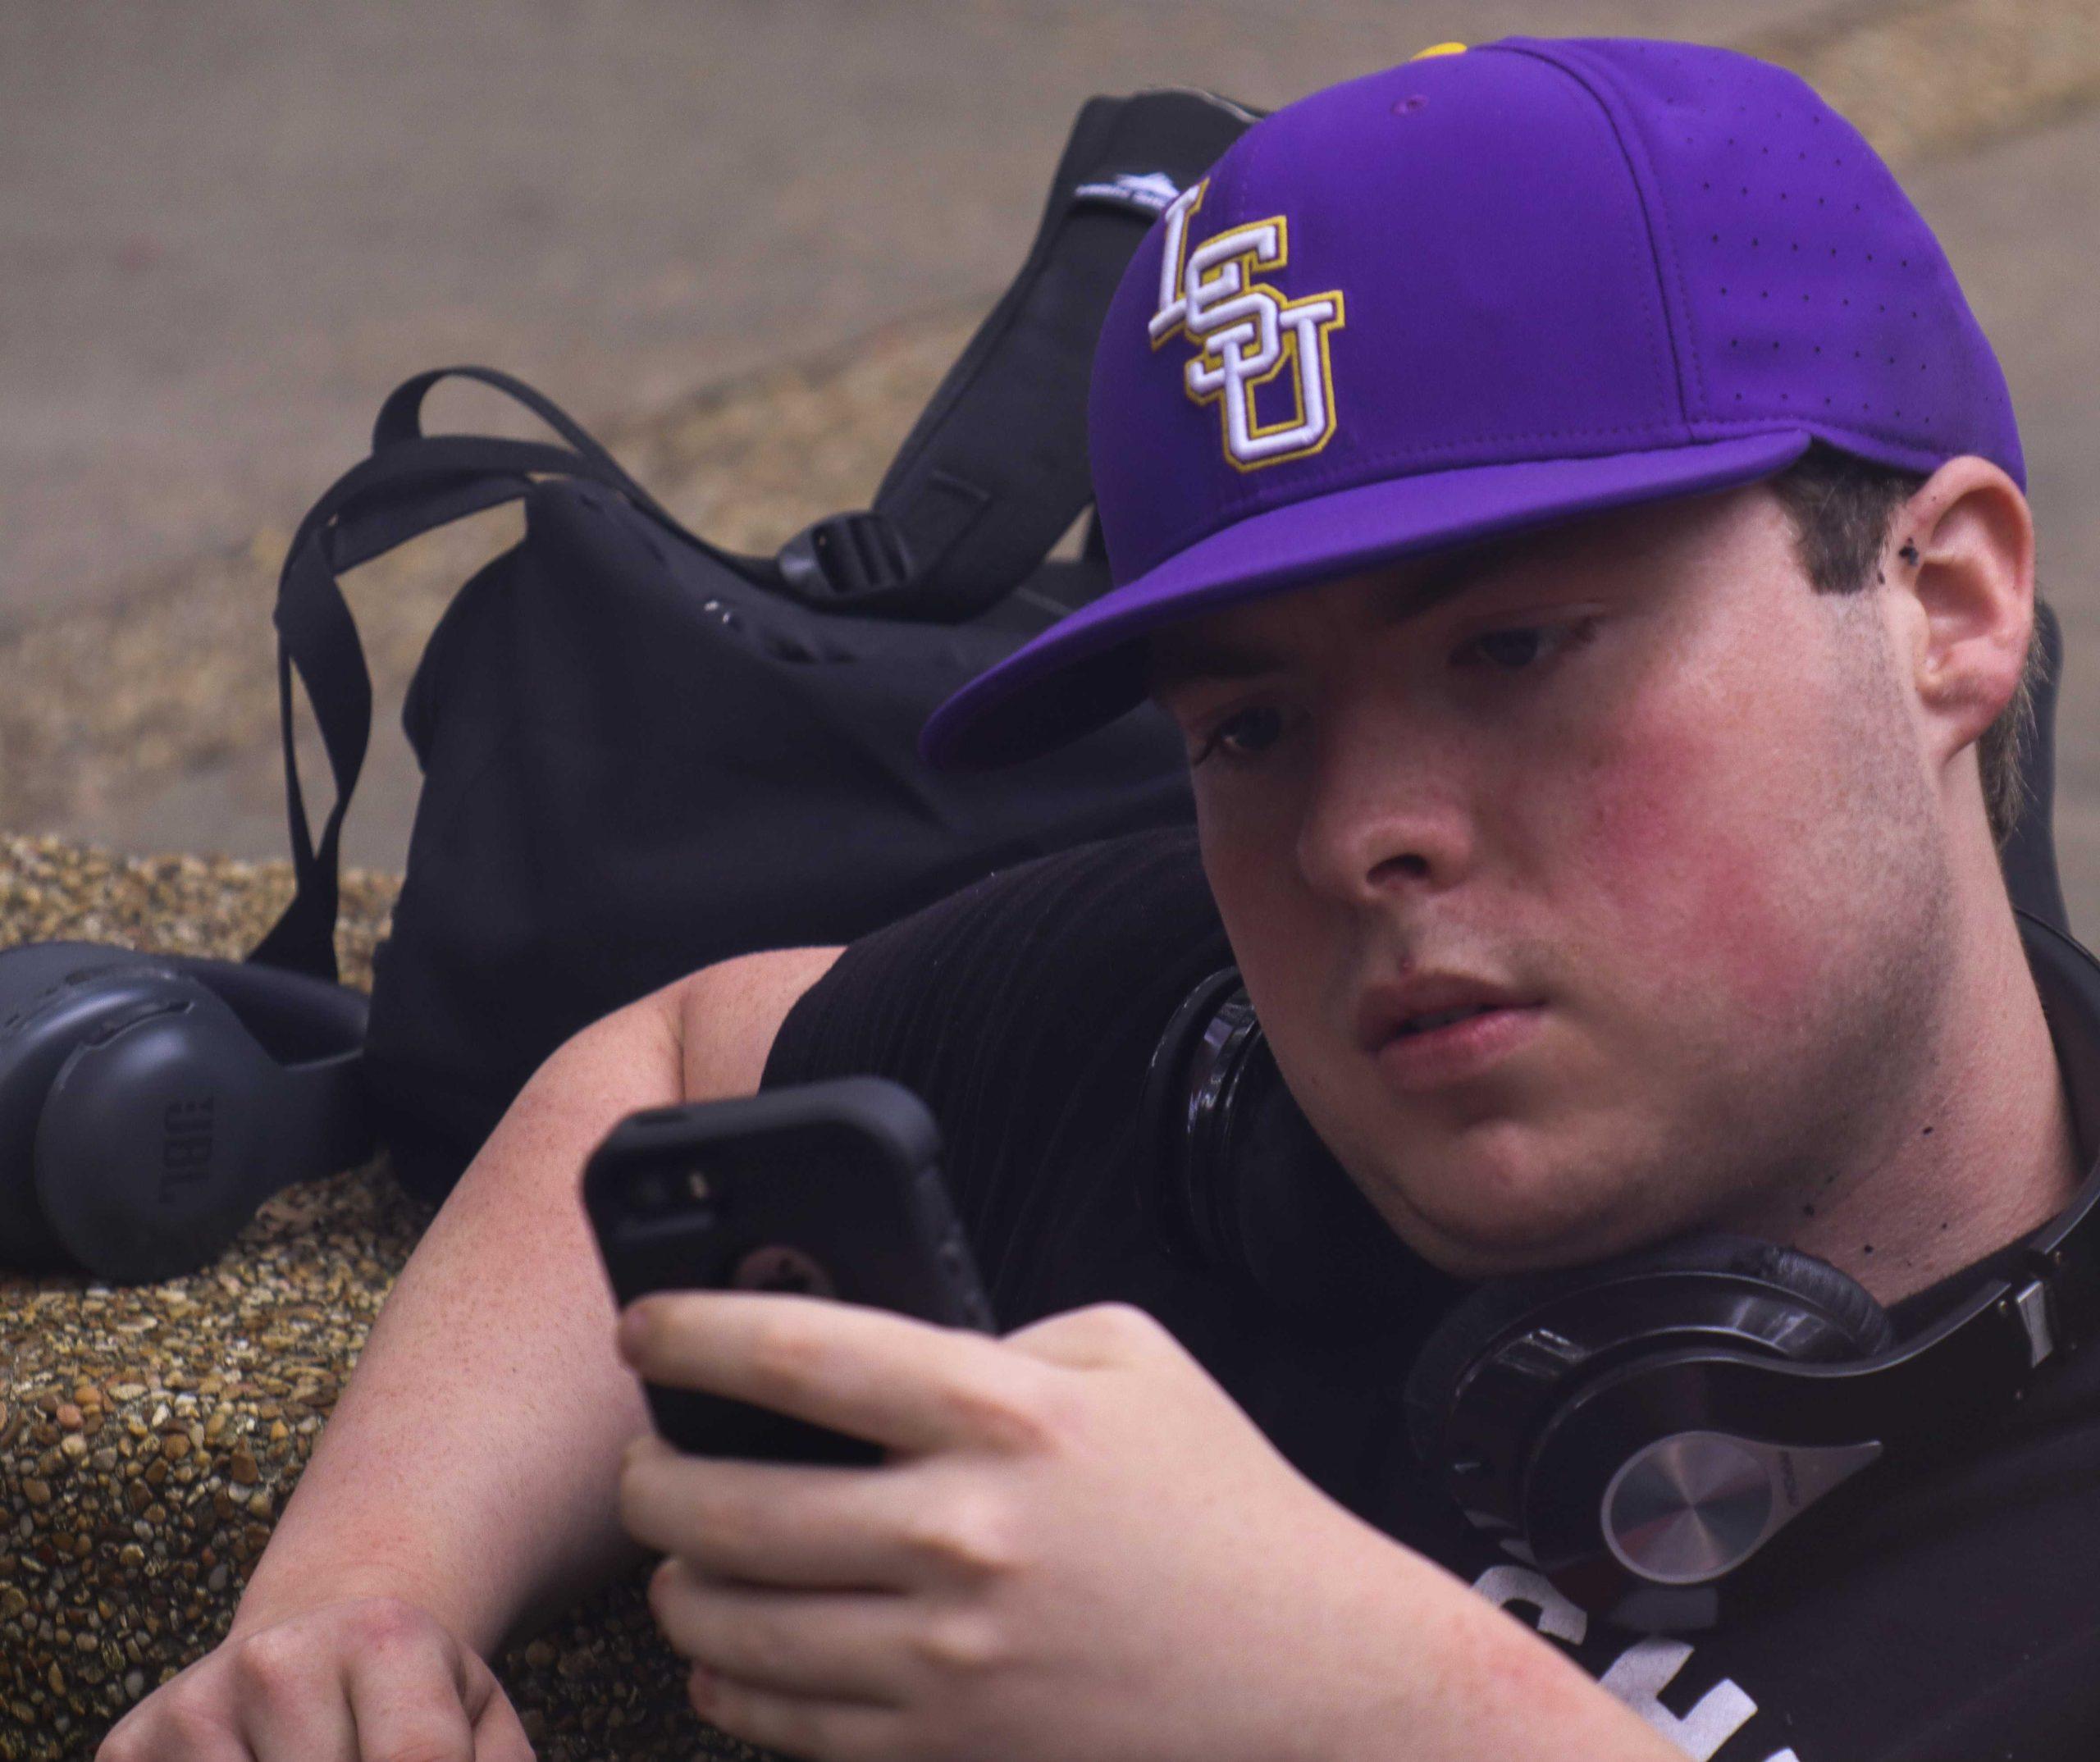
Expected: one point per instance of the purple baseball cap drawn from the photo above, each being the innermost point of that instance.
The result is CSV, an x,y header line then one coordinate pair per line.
x,y
1487,289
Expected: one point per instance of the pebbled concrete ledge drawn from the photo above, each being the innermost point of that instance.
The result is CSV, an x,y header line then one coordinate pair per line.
x,y
150,1434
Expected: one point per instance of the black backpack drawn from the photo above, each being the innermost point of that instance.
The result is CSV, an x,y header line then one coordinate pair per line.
x,y
643,754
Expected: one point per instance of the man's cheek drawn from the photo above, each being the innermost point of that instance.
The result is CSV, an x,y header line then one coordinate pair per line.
x,y
1688,894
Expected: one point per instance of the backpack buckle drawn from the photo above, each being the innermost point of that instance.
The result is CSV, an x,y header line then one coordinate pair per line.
x,y
846,557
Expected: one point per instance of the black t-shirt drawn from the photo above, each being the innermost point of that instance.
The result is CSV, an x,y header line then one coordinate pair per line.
x,y
1956,1620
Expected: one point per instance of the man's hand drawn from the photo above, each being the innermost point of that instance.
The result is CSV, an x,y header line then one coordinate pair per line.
x,y
1078,1545
351,1679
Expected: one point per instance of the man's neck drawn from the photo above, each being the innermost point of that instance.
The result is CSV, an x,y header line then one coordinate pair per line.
x,y
1983,1152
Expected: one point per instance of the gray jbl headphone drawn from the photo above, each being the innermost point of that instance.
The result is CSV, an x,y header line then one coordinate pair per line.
x,y
149,1103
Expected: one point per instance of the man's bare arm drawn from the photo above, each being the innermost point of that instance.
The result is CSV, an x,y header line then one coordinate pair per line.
x,y
471,1466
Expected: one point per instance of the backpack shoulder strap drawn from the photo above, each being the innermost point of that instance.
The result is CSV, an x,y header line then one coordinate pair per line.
x,y
995,469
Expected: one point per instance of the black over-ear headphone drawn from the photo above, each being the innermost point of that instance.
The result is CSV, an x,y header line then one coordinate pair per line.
x,y
1238,1183
149,1103
1638,1430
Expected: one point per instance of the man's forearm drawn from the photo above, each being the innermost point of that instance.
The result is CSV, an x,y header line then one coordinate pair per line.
x,y
1430,1671
471,1464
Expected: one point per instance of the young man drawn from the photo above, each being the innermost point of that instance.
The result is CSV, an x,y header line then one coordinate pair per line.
x,y
1590,797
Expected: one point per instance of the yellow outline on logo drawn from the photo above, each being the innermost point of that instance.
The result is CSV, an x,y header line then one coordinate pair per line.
x,y
1286,354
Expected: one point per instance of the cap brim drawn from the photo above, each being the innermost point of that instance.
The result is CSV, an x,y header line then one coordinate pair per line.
x,y
1089,667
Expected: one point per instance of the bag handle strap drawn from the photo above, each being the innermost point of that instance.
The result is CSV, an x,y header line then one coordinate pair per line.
x,y
411,484
399,424
995,469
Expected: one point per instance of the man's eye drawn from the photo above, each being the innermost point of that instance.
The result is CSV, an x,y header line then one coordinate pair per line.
x,y
1513,650
1243,735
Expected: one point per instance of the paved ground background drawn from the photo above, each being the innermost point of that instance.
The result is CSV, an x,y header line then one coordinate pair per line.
x,y
739,239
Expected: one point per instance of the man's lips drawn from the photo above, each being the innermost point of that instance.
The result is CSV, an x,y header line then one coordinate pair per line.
x,y
1433,1030
1427,1002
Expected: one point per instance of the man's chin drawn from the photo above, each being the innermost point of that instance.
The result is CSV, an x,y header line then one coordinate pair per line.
x,y
1501,1203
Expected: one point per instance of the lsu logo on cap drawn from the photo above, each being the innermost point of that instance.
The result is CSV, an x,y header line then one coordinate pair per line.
x,y
1262,357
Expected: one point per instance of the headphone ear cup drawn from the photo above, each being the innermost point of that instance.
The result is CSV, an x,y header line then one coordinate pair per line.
x,y
1305,1234
1238,1183
1841,1318
49,993
153,1140
1865,1324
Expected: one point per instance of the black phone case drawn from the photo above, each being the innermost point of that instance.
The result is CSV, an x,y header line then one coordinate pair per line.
x,y
832,1188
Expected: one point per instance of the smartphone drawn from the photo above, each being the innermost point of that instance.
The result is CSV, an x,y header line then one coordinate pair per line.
x,y
830,1189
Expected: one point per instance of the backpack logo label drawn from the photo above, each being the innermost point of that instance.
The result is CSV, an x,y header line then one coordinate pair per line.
x,y
1261,356
1146,192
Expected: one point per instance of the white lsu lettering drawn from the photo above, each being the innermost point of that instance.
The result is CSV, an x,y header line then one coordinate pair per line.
x,y
1247,333
1639,1674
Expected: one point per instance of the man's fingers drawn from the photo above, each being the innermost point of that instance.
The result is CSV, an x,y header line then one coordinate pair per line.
x,y
898,1381
796,1725
368,1679
412,1712
848,1646
436,1703
781,1522
288,1697
498,1733
1100,1336
811,1526
408,1698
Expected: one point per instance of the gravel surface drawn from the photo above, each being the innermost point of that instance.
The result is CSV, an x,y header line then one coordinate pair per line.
x,y
149,1435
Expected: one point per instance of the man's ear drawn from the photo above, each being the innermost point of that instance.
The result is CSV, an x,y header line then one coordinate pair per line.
x,y
1960,556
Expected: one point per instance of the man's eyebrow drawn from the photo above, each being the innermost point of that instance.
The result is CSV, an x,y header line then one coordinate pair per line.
x,y
1167,669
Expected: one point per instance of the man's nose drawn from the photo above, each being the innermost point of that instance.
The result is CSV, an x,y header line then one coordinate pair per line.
x,y
1387,808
